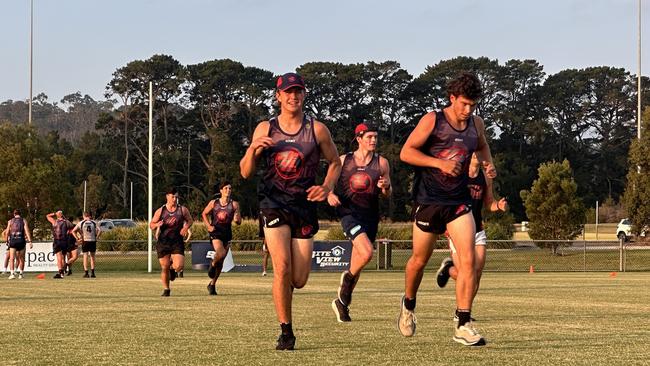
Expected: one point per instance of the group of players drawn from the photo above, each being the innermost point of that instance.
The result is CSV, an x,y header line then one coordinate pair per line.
x,y
453,179
67,238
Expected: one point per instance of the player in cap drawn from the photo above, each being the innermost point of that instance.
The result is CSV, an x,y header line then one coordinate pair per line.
x,y
365,176
60,233
18,235
291,146
440,148
174,221
223,212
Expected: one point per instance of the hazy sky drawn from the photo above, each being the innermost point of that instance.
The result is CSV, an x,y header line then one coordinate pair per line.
x,y
78,44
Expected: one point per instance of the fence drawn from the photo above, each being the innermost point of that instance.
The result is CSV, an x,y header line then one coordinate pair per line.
x,y
502,256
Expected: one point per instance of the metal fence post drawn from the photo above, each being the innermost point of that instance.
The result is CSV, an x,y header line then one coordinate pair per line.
x,y
584,255
620,255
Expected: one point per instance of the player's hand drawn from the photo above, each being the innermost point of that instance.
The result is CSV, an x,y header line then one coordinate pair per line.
x,y
317,193
489,169
383,183
158,224
31,245
451,167
184,230
210,228
333,200
502,204
261,142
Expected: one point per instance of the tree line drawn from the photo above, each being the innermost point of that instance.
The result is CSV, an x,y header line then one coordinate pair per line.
x,y
204,115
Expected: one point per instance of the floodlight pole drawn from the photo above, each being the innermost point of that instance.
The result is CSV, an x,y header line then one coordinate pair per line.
x,y
638,103
150,180
85,190
31,59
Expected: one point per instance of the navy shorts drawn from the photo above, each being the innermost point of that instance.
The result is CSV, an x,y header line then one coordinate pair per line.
x,y
354,226
434,218
165,248
224,236
89,246
19,245
303,224
60,246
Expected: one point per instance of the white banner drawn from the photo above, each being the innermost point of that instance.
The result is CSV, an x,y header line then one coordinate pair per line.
x,y
38,259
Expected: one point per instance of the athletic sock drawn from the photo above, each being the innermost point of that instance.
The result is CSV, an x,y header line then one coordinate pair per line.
x,y
464,316
409,304
286,328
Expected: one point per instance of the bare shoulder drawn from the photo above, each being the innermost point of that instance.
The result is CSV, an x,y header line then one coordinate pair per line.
x,y
321,131
262,129
479,122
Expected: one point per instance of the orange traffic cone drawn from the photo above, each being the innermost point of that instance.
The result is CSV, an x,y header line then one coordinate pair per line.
x,y
531,270
41,276
612,274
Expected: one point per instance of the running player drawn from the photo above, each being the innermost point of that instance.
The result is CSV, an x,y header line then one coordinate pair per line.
x,y
364,176
223,212
17,232
60,228
480,188
291,145
88,232
174,221
440,147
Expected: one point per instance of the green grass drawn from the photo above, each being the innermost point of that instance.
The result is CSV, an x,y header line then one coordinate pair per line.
x,y
119,318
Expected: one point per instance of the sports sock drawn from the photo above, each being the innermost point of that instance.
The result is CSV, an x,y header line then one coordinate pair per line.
x,y
409,304
464,316
286,328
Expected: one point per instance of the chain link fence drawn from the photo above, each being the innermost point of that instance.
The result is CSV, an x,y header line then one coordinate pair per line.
x,y
502,256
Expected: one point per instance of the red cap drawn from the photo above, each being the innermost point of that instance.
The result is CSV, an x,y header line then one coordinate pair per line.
x,y
360,129
289,80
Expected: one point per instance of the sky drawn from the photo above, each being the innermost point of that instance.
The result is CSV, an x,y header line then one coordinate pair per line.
x,y
78,44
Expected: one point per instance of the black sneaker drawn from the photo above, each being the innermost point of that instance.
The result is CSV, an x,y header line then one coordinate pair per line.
x,y
86,275
342,312
346,286
92,274
212,289
68,270
286,342
212,271
166,292
442,276
58,275
180,274
172,274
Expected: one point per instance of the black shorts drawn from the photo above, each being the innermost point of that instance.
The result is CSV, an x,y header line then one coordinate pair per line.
x,y
354,226
60,246
303,223
89,246
260,221
224,237
166,248
19,245
434,218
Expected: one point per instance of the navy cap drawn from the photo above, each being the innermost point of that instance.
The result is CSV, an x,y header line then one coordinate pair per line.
x,y
289,80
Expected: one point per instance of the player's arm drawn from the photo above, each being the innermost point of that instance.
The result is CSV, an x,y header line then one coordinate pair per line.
x,y
489,201
237,217
411,153
51,217
260,141
329,153
99,230
384,179
205,213
5,234
333,198
76,228
28,233
483,149
188,221
155,220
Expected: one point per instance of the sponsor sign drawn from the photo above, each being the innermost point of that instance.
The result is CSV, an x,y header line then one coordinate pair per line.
x,y
203,254
38,259
331,256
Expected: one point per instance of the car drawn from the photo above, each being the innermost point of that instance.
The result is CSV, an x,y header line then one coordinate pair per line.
x,y
110,224
624,230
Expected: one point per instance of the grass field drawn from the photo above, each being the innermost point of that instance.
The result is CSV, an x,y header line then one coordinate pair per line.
x,y
119,318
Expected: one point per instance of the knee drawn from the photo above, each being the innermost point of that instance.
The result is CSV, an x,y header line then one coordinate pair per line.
x,y
282,270
417,263
300,281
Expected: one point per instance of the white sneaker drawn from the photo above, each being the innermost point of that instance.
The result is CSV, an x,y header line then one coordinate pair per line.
x,y
11,276
264,274
468,335
406,320
20,276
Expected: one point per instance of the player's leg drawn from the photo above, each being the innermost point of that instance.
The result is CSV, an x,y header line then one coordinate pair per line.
x,y
12,263
216,265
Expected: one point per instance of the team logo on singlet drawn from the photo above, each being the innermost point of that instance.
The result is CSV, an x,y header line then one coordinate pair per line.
x,y
455,153
476,191
360,182
170,220
289,163
222,216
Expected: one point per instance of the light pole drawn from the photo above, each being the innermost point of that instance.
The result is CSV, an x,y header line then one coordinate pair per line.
x,y
31,58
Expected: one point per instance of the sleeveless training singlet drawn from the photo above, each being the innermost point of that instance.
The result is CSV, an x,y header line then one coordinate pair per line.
x,y
60,230
431,185
222,216
291,166
170,231
357,188
17,229
477,186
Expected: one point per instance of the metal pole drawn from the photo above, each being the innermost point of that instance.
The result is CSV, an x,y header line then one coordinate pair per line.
x,y
131,206
638,103
620,255
31,58
596,220
85,190
150,180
